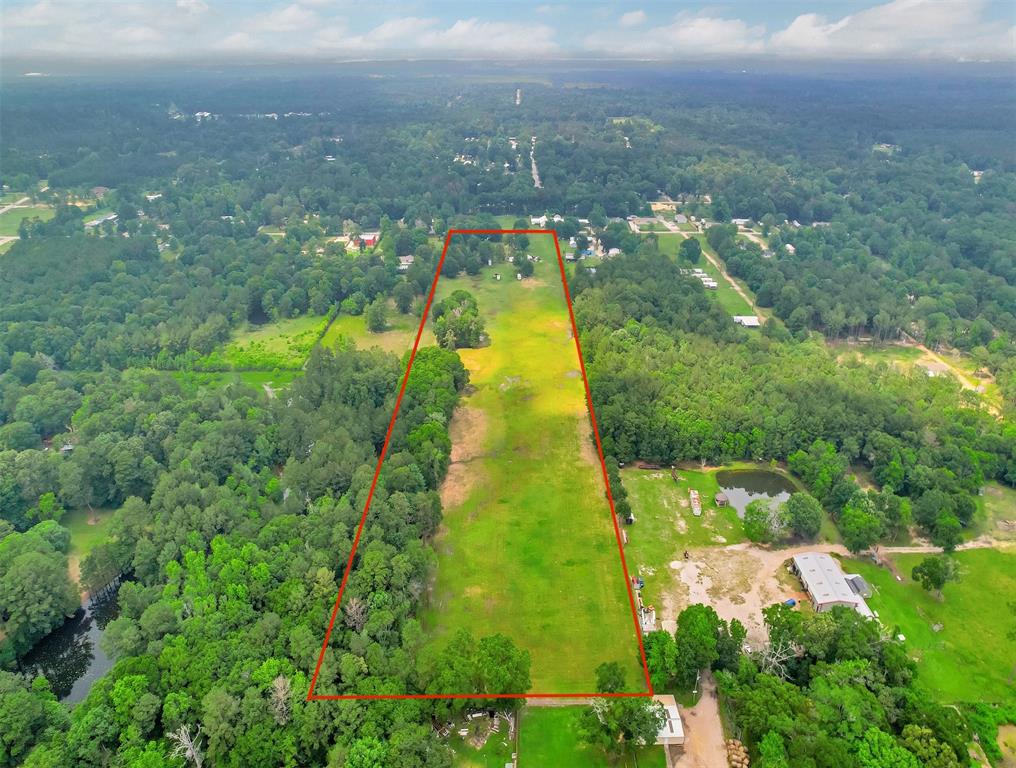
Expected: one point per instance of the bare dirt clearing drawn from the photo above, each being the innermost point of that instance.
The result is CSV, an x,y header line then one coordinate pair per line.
x,y
467,431
704,747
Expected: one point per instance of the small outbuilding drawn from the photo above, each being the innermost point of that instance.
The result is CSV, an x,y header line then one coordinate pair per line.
x,y
671,733
721,499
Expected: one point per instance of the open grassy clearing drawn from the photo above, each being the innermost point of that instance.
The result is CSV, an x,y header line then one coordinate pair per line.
x,y
280,344
996,513
527,548
397,338
496,753
548,737
665,526
11,220
87,528
277,380
908,359
970,658
728,298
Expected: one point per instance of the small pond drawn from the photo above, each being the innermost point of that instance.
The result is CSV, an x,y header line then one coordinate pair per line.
x,y
70,656
743,486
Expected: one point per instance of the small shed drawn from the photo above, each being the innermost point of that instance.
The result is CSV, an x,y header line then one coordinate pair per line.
x,y
672,731
721,499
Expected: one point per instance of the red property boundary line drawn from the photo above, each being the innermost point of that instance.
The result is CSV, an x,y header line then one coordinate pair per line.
x,y
311,696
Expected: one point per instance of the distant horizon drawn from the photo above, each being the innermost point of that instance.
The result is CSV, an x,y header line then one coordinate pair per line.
x,y
52,32
27,68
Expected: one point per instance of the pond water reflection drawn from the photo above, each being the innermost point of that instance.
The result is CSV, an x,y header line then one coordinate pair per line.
x,y
743,486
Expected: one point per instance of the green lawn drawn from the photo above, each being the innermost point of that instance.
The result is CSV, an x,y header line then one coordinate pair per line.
x,y
281,344
996,512
970,658
548,737
4,247
397,338
528,547
665,527
85,535
728,298
11,220
494,754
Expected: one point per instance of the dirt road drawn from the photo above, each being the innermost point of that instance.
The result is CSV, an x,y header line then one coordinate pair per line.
x,y
19,204
674,229
703,746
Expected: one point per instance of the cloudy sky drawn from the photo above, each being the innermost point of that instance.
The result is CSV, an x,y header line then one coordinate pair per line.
x,y
344,29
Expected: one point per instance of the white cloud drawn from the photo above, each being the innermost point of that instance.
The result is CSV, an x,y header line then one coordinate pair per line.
x,y
291,18
948,28
689,35
495,37
40,14
466,36
633,18
238,41
192,7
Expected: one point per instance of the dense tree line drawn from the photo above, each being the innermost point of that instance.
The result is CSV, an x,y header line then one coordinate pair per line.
x,y
741,396
830,689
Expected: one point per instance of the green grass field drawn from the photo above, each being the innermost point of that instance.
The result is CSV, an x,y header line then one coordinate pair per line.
x,y
85,535
397,338
11,220
528,547
277,380
970,658
281,344
996,512
4,247
548,737
728,298
494,754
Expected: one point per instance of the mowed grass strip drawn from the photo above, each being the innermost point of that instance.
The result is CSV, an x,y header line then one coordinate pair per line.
x,y
530,551
970,656
548,736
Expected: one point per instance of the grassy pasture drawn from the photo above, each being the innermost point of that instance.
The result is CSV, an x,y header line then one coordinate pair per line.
x,y
996,512
84,534
970,658
397,338
11,220
528,547
281,344
548,737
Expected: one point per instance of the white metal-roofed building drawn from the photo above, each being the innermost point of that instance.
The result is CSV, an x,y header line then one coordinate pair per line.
x,y
826,584
672,731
